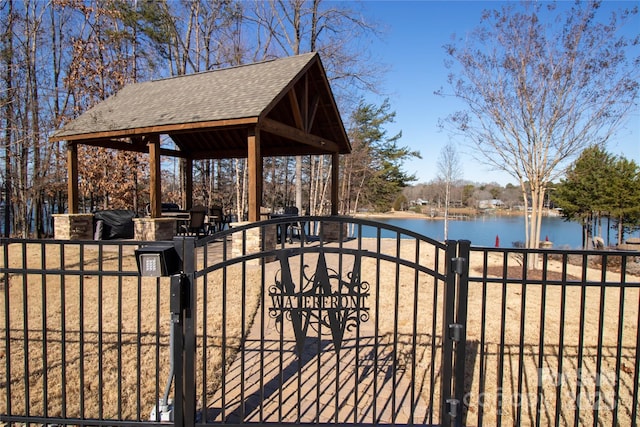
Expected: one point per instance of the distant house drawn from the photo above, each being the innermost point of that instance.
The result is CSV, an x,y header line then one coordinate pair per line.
x,y
490,204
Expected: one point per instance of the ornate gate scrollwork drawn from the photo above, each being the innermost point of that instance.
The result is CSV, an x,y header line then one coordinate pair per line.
x,y
323,299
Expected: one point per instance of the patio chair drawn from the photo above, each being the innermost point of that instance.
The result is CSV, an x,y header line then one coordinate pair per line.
x,y
196,223
291,210
216,218
294,229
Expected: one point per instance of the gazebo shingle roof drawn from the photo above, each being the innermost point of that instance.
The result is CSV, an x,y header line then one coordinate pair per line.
x,y
201,112
246,91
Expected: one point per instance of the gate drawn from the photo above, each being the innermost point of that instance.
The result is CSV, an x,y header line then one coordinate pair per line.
x,y
334,325
295,320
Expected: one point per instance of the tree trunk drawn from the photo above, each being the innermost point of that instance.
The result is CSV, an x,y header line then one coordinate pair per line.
x,y
446,211
299,183
9,116
621,230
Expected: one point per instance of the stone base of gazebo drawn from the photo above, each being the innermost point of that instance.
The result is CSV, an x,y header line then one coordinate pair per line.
x,y
251,241
331,231
154,229
73,226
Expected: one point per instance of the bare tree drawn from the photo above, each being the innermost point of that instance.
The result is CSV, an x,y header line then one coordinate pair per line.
x,y
26,154
449,172
355,171
8,117
292,27
538,89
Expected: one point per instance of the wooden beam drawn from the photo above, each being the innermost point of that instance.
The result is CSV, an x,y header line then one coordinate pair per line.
x,y
254,163
126,146
187,201
312,113
289,132
335,175
305,100
155,184
295,107
72,177
154,129
288,151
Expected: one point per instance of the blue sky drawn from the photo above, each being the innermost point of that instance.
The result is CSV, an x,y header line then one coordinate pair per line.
x,y
412,47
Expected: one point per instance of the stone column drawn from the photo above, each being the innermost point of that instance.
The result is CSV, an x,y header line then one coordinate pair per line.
x,y
73,226
250,241
154,229
330,231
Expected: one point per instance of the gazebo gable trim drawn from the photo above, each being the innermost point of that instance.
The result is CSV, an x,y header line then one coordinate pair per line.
x,y
285,92
301,131
339,123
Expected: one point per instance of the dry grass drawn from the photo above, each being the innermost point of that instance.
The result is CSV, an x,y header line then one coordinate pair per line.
x,y
98,347
566,357
106,343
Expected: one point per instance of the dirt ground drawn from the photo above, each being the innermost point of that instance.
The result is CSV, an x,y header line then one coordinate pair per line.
x,y
105,338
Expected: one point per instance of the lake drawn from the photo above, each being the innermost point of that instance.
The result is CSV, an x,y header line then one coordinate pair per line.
x,y
482,231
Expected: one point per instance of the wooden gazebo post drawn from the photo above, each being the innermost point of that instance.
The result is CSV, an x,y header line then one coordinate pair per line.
x,y
187,198
254,163
255,239
72,183
154,227
335,176
74,225
155,185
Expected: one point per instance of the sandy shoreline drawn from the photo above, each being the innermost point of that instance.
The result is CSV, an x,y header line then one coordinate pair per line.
x,y
392,214
415,215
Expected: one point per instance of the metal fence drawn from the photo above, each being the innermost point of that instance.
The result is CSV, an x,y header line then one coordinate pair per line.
x,y
83,335
552,337
305,321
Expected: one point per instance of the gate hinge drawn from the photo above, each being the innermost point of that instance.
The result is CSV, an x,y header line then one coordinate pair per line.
x,y
458,265
455,331
452,407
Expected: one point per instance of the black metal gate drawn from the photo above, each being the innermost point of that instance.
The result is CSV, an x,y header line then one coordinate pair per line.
x,y
295,320
319,320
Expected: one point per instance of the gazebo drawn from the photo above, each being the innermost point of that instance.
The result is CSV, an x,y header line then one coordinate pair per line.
x,y
281,107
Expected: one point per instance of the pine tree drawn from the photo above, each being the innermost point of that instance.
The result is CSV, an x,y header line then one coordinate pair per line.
x,y
598,186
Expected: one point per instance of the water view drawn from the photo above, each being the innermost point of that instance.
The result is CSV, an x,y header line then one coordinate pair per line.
x,y
483,230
